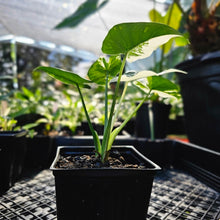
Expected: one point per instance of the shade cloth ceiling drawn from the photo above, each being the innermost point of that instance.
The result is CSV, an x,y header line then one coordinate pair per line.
x,y
36,19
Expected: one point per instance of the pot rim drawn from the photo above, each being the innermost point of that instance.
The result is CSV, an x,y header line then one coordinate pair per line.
x,y
154,167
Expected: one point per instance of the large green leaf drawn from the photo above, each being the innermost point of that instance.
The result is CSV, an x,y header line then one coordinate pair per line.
x,y
85,9
63,75
102,69
138,40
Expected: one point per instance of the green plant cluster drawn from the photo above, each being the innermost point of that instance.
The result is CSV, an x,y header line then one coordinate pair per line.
x,y
58,107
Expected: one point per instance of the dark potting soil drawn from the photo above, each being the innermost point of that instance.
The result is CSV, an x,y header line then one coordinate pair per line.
x,y
91,161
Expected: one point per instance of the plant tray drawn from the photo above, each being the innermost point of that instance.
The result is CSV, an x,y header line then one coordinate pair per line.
x,y
187,188
201,162
175,195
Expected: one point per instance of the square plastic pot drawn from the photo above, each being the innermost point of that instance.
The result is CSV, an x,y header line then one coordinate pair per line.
x,y
12,154
34,157
103,193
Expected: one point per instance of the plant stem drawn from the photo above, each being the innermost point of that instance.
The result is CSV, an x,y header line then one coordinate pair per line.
x,y
109,124
119,104
94,133
106,103
151,121
118,129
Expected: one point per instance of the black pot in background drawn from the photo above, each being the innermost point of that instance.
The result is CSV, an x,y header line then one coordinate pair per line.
x,y
177,126
200,89
160,114
103,194
30,118
12,154
160,150
35,159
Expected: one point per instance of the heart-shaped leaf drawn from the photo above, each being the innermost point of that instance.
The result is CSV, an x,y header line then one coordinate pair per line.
x,y
102,69
64,76
138,40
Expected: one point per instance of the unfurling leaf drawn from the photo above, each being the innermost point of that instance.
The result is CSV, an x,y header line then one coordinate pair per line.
x,y
101,69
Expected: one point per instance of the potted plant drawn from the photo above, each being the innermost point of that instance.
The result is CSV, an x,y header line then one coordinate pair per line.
x,y
12,149
200,89
35,111
106,191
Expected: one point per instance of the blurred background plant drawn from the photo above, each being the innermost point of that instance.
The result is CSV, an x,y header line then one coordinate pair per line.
x,y
6,123
203,26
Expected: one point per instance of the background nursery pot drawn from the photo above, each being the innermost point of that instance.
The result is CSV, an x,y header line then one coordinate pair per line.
x,y
103,193
12,154
200,90
160,114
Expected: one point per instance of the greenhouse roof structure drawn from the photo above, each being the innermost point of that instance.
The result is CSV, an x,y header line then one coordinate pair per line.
x,y
34,21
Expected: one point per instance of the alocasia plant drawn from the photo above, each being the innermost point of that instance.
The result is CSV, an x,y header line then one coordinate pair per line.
x,y
125,42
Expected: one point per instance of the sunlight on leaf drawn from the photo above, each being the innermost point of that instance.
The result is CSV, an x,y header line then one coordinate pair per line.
x,y
171,70
147,48
133,75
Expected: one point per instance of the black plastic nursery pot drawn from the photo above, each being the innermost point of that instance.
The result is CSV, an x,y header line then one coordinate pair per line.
x,y
103,193
12,154
160,120
200,89
34,157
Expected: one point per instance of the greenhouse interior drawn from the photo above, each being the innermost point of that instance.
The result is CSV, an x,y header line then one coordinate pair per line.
x,y
110,109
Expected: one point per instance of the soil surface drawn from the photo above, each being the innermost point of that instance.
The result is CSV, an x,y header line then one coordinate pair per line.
x,y
91,161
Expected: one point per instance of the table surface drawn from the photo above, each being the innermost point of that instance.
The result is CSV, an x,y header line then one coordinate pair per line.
x,y
175,195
